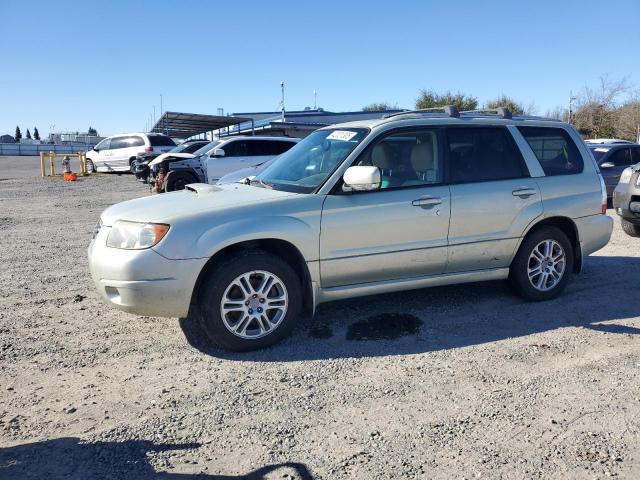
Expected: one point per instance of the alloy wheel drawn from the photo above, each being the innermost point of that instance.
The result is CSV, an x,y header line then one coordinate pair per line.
x,y
254,304
546,265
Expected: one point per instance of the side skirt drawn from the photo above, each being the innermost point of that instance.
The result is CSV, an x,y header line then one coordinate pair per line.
x,y
323,295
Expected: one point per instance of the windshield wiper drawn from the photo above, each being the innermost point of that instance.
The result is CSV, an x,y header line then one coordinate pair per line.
x,y
254,180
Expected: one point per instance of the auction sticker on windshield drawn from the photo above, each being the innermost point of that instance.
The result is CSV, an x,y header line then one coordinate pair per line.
x,y
344,135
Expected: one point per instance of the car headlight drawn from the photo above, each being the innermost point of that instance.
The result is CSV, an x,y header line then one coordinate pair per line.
x,y
625,176
136,235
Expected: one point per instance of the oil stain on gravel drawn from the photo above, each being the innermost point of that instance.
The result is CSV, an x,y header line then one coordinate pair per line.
x,y
387,326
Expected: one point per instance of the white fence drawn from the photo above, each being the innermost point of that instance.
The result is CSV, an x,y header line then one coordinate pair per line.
x,y
23,149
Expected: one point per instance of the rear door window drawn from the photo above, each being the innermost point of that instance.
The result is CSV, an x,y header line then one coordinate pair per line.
x,y
554,149
161,141
480,154
635,155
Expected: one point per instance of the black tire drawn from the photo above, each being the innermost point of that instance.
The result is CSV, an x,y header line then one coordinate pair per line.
x,y
519,275
178,180
91,168
131,168
629,228
208,308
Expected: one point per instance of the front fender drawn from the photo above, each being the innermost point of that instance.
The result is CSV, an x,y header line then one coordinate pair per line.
x,y
305,236
203,235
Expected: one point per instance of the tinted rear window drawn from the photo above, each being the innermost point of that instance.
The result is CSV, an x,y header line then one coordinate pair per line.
x,y
161,141
483,154
554,149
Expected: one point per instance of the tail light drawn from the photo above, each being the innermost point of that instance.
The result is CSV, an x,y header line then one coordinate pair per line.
x,y
603,190
148,149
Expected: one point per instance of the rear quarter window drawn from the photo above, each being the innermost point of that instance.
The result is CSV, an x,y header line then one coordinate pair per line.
x,y
161,141
554,149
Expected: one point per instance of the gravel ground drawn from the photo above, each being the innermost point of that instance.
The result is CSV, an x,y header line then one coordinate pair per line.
x,y
462,381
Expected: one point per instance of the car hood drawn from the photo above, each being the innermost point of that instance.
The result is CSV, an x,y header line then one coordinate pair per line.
x,y
195,199
164,156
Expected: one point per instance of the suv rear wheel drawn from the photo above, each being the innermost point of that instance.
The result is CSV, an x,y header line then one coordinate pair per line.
x,y
250,301
629,228
543,265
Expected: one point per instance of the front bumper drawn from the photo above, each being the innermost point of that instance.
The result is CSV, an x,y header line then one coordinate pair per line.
x,y
142,281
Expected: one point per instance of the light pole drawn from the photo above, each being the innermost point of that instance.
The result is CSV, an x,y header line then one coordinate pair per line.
x,y
571,99
315,100
282,101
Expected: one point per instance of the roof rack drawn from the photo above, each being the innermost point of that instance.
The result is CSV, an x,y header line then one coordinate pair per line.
x,y
452,111
449,110
500,111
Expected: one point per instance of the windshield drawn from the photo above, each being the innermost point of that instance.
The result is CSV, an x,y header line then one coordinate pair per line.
x,y
309,163
207,148
599,152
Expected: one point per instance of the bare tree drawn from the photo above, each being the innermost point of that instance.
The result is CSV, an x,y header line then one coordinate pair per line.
x,y
595,114
627,122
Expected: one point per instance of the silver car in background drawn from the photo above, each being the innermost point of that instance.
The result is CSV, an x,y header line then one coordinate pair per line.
x,y
413,200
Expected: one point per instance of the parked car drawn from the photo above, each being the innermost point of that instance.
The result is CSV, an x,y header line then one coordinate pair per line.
x,y
626,200
363,208
245,174
216,159
605,141
117,153
140,166
613,159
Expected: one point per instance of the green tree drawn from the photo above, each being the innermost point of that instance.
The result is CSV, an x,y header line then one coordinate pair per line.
x,y
36,134
433,99
92,131
18,134
375,107
28,134
512,105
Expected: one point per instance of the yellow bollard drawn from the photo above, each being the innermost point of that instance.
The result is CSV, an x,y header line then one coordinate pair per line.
x,y
42,170
52,160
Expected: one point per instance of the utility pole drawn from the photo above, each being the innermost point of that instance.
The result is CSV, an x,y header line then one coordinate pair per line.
x,y
315,100
282,101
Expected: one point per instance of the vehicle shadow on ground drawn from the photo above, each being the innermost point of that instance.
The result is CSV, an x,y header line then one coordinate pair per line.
x,y
72,459
452,317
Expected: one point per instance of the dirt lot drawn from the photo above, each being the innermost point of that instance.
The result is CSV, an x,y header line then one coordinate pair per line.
x,y
463,381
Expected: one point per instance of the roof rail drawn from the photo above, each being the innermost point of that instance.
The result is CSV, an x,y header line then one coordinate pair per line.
x,y
450,110
503,112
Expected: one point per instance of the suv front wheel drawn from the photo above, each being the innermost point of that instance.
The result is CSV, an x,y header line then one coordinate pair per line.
x,y
543,265
250,301
630,229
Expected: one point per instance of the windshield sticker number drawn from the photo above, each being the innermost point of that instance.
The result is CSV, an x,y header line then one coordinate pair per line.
x,y
343,135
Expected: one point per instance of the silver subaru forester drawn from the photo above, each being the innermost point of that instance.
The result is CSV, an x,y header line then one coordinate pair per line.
x,y
412,200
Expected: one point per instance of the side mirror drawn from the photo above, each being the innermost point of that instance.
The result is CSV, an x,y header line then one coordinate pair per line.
x,y
361,179
95,149
606,165
217,152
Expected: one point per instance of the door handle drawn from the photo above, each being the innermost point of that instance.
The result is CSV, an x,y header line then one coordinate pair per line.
x,y
523,192
426,202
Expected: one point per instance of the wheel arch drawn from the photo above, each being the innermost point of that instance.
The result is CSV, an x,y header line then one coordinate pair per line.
x,y
569,228
278,247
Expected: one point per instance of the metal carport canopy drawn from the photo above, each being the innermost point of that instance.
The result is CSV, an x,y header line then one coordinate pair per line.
x,y
185,125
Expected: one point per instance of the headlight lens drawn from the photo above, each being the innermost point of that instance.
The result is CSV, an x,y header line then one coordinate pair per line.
x,y
135,235
626,175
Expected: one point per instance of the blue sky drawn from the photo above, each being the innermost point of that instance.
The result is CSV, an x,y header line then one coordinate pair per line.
x,y
75,64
